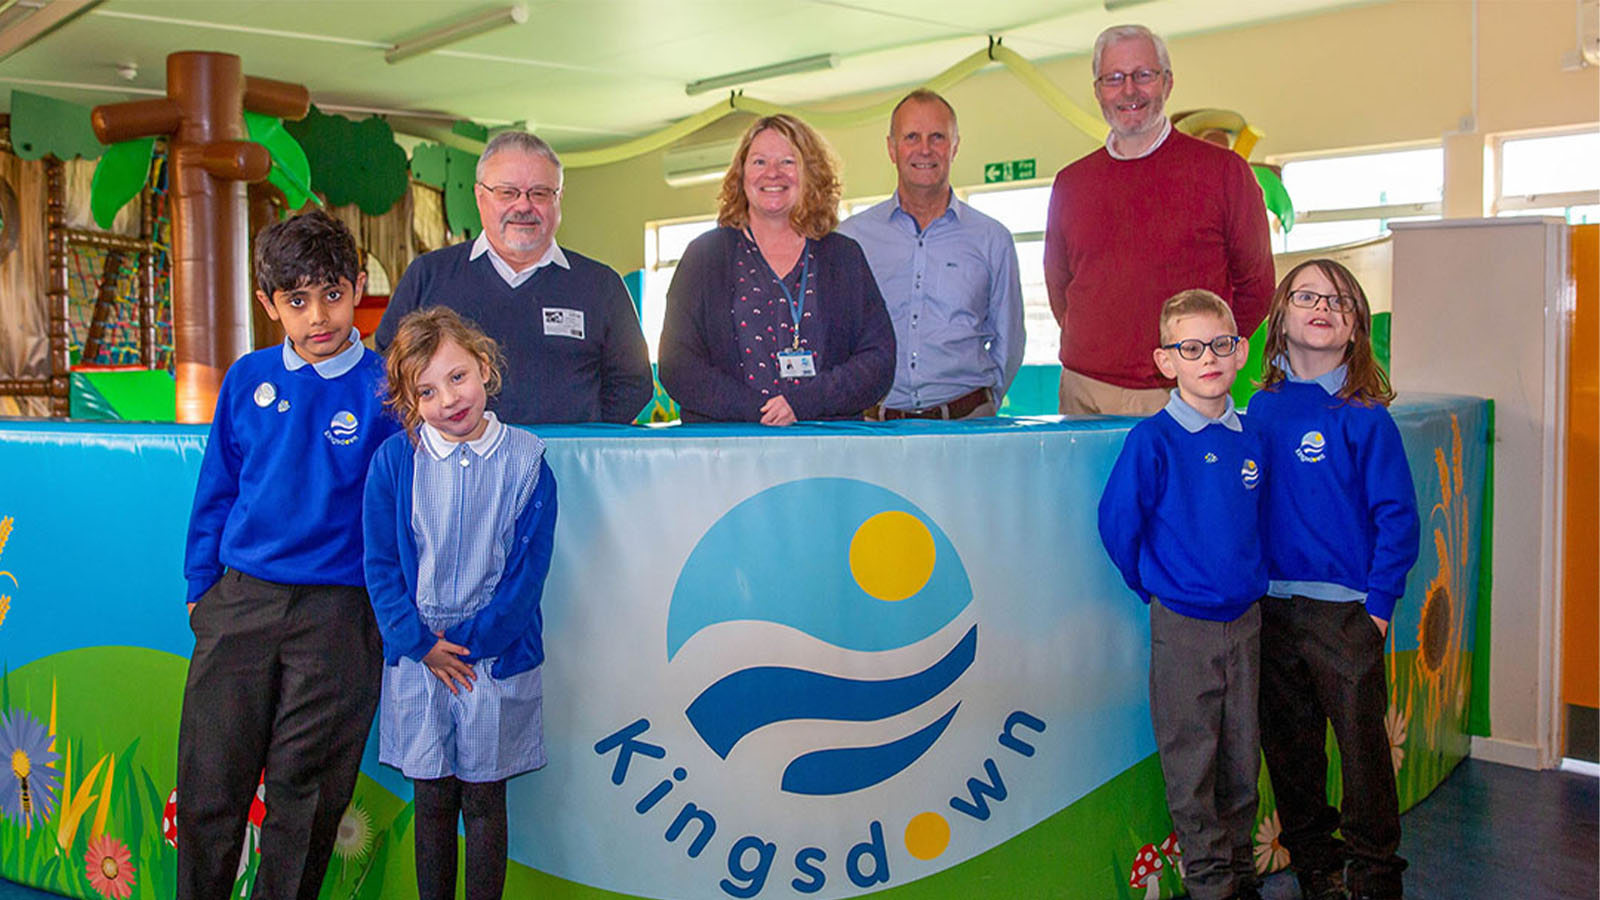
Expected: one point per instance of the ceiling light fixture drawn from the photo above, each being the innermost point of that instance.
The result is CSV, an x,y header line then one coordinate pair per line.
x,y
40,22
1114,5
459,30
794,66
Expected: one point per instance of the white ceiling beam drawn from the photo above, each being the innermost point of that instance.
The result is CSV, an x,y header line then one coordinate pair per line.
x,y
41,22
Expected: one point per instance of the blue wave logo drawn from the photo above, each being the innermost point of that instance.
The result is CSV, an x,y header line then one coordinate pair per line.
x,y
342,430
1313,447
1250,473
891,579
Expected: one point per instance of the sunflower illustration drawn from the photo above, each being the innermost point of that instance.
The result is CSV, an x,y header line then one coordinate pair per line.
x,y
109,867
1437,666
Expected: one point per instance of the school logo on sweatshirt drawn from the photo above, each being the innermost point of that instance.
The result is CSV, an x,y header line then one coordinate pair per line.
x,y
344,429
1250,474
1313,447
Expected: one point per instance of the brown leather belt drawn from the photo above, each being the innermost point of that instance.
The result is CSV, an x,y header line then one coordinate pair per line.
x,y
959,408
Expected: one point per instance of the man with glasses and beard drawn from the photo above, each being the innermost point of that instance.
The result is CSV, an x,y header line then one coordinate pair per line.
x,y
1151,213
570,333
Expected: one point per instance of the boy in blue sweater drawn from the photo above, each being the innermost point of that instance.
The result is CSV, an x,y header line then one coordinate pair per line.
x,y
287,657
1180,519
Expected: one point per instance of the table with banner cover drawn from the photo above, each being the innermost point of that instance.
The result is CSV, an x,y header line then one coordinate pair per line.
x,y
819,661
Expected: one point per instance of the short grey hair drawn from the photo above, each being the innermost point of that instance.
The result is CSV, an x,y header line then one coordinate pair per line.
x,y
1116,34
520,141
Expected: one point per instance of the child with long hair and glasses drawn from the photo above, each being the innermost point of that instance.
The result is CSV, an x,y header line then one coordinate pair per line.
x,y
1342,512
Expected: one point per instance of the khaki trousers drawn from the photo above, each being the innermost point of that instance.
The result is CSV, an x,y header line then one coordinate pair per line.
x,y
1084,396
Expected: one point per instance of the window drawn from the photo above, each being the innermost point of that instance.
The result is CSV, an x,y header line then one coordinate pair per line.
x,y
1342,199
1020,208
1550,175
1023,210
664,243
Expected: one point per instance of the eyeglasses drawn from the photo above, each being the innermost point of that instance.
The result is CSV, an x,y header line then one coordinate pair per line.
x,y
507,194
1338,303
1140,77
1192,349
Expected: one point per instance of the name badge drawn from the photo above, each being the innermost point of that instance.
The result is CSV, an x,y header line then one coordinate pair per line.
x,y
563,323
796,363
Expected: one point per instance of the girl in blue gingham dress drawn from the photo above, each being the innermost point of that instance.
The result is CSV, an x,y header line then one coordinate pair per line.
x,y
459,520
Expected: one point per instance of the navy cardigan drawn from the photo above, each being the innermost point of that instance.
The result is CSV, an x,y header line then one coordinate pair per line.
x,y
508,630
699,364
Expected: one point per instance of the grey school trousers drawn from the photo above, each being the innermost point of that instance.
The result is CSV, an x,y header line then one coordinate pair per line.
x,y
1204,678
283,678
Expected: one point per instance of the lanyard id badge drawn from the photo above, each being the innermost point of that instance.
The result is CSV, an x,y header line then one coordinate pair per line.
x,y
796,363
793,362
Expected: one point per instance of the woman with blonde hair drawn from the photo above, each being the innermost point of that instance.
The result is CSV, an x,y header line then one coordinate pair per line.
x,y
774,317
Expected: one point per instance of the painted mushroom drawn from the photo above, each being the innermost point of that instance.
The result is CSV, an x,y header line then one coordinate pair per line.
x,y
1173,852
169,819
1147,868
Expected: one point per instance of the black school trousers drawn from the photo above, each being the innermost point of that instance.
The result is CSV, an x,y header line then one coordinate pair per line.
x,y
283,678
1322,662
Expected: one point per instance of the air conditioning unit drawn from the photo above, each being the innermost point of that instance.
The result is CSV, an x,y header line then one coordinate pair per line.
x,y
697,163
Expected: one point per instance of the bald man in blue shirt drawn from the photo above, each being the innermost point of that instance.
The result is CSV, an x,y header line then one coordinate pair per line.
x,y
948,274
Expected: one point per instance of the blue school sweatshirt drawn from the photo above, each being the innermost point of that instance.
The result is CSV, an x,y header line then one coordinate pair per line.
x,y
279,493
1341,506
1180,513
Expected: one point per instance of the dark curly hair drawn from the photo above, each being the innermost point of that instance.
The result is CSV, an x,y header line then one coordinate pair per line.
x,y
311,249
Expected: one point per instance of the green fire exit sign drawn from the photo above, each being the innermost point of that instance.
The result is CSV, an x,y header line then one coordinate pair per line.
x,y
1010,170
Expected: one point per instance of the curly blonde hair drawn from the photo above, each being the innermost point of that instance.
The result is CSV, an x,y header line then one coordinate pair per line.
x,y
416,340
818,210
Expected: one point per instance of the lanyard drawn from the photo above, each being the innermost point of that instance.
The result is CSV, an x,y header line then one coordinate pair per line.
x,y
797,305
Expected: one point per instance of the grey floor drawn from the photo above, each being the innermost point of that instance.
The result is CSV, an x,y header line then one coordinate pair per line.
x,y
1489,832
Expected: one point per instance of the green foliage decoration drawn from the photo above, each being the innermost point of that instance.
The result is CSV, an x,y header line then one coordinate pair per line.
x,y
1276,195
44,126
291,173
119,177
353,162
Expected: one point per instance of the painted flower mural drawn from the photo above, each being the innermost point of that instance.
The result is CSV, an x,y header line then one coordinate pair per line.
x,y
1394,724
1437,666
29,780
1271,855
354,837
109,867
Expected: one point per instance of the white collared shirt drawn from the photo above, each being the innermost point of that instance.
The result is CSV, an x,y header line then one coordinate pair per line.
x,y
440,447
516,277
1166,129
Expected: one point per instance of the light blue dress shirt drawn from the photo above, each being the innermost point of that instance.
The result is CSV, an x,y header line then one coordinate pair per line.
x,y
954,295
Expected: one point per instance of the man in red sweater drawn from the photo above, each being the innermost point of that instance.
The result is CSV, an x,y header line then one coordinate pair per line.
x,y
1152,213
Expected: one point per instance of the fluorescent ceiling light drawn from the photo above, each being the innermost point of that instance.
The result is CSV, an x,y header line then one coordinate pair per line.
x,y
793,66
43,20
1114,5
459,30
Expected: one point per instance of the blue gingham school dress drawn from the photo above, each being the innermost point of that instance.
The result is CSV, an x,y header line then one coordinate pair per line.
x,y
466,498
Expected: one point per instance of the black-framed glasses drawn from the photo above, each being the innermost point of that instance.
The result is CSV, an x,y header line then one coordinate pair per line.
x,y
1339,303
508,194
1221,345
1140,77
